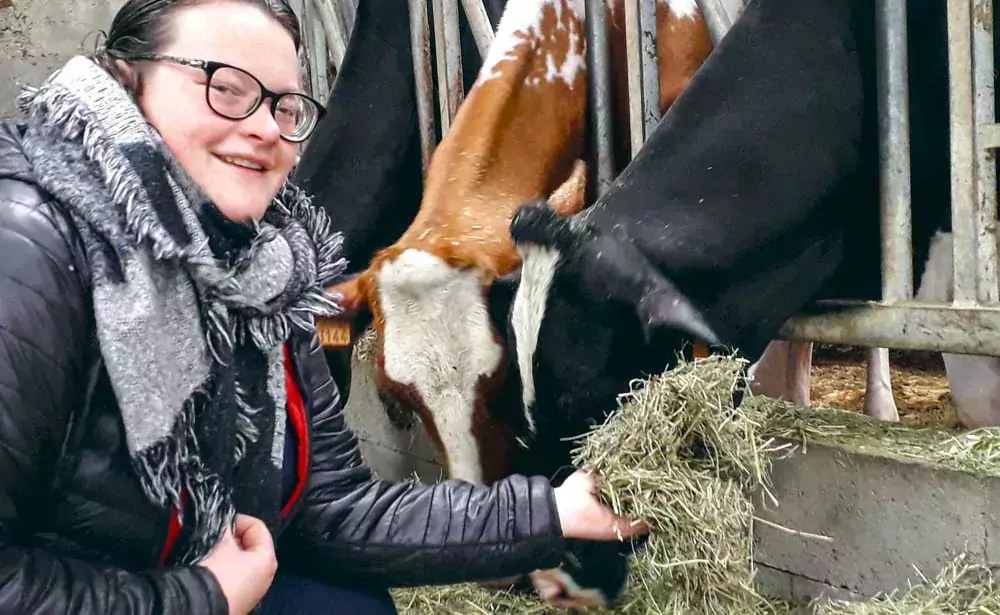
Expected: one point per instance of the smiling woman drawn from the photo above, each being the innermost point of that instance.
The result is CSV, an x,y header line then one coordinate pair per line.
x,y
167,416
239,165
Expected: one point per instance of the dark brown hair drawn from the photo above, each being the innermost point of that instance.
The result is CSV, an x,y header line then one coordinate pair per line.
x,y
143,26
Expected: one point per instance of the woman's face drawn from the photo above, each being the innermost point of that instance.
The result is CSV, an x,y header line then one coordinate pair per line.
x,y
240,164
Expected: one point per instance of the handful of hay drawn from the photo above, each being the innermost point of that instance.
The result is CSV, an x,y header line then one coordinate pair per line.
x,y
679,456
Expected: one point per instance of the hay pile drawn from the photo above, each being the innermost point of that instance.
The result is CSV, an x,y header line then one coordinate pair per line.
x,y
959,589
975,451
678,455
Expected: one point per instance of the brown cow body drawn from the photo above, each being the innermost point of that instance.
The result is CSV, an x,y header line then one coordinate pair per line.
x,y
438,351
518,135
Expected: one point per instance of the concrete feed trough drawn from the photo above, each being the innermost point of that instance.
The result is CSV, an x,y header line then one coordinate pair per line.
x,y
863,508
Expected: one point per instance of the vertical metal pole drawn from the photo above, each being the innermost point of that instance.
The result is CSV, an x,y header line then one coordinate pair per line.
x,y
449,60
321,54
479,23
453,50
599,90
984,85
650,64
335,33
633,57
420,46
720,15
894,150
963,223
643,70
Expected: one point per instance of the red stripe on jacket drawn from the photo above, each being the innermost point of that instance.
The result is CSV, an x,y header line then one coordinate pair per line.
x,y
297,417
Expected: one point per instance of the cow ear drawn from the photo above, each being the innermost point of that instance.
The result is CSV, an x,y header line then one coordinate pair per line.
x,y
664,306
538,223
568,198
339,331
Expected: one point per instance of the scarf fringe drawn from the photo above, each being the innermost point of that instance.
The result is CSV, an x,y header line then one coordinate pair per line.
x,y
55,106
174,463
331,264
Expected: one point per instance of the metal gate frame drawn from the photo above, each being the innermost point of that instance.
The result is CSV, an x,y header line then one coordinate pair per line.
x,y
970,323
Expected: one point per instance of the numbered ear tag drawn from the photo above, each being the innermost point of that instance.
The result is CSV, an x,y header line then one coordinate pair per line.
x,y
334,333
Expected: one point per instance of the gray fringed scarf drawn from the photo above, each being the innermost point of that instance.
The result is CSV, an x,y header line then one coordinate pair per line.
x,y
191,310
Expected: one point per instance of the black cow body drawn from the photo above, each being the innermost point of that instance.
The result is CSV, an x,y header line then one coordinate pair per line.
x,y
756,195
728,221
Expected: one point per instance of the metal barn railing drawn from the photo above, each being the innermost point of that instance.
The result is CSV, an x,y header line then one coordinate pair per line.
x,y
326,30
643,77
970,323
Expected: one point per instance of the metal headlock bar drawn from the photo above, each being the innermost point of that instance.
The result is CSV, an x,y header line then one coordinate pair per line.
x,y
970,323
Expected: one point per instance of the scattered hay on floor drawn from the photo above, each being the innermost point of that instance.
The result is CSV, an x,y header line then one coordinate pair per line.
x,y
922,396
466,599
960,589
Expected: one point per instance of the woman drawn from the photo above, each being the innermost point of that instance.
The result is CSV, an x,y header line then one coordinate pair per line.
x,y
166,415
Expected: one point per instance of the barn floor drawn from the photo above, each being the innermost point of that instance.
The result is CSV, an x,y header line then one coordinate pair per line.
x,y
918,384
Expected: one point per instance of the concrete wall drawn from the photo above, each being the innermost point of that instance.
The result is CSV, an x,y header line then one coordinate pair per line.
x,y
37,36
394,452
885,519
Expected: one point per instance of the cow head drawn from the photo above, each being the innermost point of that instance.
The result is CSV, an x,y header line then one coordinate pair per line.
x,y
590,313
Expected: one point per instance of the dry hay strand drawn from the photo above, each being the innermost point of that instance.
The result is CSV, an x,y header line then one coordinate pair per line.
x,y
974,451
364,348
677,455
959,589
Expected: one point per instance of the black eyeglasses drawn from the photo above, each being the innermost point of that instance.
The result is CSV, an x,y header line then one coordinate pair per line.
x,y
235,94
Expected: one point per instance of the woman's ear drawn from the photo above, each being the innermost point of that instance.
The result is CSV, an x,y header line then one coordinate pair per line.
x,y
127,75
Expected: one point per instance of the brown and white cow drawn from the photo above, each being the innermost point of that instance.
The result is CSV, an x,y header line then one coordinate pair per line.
x,y
519,135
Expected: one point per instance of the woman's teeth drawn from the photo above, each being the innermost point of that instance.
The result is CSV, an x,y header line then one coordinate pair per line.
x,y
240,162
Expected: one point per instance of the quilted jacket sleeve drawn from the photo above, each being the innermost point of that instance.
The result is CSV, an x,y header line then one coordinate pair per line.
x,y
43,326
352,529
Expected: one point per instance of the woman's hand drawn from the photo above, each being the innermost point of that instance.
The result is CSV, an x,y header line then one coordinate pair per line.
x,y
583,516
244,564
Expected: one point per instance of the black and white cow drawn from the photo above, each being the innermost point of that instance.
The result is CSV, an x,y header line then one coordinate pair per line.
x,y
730,219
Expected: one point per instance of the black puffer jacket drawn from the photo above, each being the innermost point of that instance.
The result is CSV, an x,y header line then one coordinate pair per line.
x,y
77,535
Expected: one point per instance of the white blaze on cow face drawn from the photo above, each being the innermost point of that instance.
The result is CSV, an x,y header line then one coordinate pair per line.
x,y
521,29
438,338
528,310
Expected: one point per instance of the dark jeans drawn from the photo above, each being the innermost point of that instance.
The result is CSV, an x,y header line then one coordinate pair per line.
x,y
292,595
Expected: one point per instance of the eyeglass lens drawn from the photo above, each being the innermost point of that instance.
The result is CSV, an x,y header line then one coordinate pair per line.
x,y
234,93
